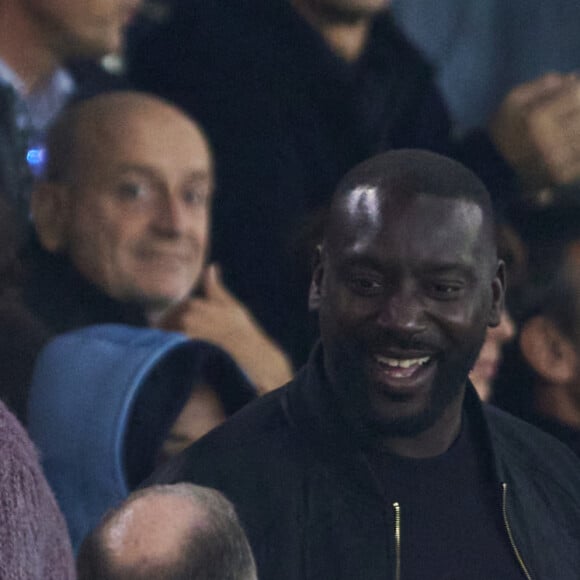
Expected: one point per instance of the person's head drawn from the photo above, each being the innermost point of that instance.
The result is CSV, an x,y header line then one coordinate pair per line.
x,y
549,338
73,29
511,250
172,532
407,282
126,196
485,368
202,412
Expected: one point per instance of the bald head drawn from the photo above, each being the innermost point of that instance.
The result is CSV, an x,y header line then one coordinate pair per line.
x,y
127,197
177,531
90,124
406,284
402,175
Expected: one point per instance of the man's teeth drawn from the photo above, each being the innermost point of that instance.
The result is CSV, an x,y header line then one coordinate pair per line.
x,y
404,363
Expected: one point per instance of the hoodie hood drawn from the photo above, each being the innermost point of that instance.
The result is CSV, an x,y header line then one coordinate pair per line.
x,y
101,402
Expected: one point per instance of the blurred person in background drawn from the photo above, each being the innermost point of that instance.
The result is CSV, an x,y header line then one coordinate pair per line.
x,y
146,395
48,54
122,221
34,541
512,251
22,335
540,380
173,532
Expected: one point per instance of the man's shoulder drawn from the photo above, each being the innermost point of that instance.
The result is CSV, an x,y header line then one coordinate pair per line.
x,y
528,449
252,437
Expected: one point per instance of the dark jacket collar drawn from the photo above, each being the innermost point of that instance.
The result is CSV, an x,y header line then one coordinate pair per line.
x,y
64,300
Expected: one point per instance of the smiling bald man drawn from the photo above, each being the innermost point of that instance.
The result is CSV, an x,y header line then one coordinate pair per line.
x,y
379,461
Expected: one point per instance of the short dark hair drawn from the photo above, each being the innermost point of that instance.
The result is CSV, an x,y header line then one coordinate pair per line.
x,y
407,172
218,550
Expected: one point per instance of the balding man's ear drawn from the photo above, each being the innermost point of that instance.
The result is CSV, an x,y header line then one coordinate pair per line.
x,y
50,209
498,295
547,351
314,294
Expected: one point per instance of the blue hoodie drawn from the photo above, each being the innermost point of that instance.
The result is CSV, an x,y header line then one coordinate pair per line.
x,y
102,400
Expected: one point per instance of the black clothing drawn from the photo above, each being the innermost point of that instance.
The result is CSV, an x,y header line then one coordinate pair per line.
x,y
453,531
63,299
312,507
565,433
287,118
15,176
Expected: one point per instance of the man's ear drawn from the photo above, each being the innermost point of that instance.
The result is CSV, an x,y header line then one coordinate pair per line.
x,y
547,351
315,293
498,295
50,208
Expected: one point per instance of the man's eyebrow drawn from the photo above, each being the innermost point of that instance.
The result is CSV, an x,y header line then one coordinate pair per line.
x,y
450,268
195,175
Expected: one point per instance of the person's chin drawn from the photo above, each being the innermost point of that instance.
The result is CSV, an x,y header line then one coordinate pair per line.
x,y
400,415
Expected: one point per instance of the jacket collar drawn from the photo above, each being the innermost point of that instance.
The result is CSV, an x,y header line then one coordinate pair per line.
x,y
64,299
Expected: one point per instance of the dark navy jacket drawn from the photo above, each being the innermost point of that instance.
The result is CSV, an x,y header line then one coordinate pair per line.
x,y
313,509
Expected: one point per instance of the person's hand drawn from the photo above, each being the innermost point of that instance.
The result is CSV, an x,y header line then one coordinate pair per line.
x,y
537,130
218,317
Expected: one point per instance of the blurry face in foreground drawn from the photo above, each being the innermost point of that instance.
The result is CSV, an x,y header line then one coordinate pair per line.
x,y
486,366
140,206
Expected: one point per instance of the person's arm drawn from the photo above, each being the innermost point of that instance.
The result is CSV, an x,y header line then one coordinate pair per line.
x,y
34,540
537,130
219,318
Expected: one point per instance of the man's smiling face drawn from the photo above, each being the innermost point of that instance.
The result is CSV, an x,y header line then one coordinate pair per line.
x,y
407,284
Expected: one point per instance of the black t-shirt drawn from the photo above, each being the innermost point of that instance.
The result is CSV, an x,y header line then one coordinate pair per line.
x,y
451,521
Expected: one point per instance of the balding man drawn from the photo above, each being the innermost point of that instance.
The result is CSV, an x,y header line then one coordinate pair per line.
x,y
177,532
122,219
378,460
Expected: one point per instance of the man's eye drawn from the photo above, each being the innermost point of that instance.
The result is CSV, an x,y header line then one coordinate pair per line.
x,y
365,286
195,197
130,190
446,290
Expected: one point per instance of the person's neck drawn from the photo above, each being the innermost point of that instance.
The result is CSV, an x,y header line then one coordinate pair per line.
x,y
347,38
432,442
23,47
558,402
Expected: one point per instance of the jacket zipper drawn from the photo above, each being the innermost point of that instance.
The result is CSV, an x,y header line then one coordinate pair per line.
x,y
397,509
509,532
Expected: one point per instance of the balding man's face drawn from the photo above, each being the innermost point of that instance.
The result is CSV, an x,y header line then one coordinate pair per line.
x,y
407,289
141,192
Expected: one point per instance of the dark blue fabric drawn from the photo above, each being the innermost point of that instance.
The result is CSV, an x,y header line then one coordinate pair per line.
x,y
101,402
483,48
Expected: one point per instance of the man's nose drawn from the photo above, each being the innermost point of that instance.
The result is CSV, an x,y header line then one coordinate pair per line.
x,y
402,312
169,215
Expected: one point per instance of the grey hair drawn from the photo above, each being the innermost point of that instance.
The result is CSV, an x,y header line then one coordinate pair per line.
x,y
216,550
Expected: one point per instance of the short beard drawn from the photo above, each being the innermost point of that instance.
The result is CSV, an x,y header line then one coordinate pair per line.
x,y
350,385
